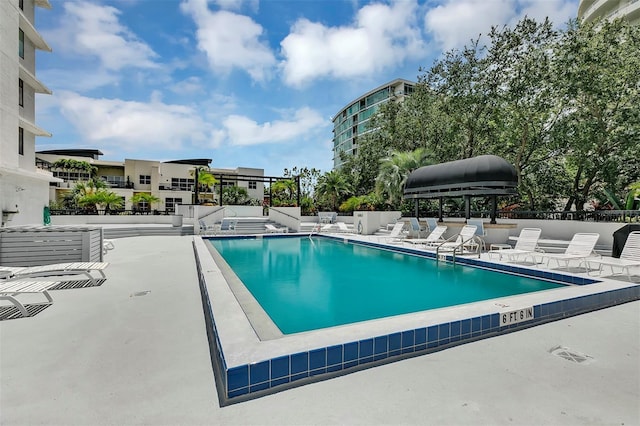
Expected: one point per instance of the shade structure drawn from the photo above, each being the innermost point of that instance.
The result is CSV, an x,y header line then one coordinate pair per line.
x,y
485,175
477,176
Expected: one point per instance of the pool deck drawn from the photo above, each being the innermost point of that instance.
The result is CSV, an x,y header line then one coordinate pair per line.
x,y
134,351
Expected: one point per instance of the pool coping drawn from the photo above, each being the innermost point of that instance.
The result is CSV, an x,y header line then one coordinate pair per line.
x,y
247,367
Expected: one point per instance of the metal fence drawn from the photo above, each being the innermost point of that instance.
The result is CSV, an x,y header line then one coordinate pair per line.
x,y
594,216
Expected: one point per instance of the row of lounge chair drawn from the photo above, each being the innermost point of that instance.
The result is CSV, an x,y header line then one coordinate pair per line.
x,y
15,281
581,248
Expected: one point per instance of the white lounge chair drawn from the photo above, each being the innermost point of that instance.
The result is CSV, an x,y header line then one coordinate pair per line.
x,y
526,244
207,229
55,270
416,230
629,257
433,239
463,243
480,231
432,223
107,245
344,228
275,230
580,248
395,236
10,289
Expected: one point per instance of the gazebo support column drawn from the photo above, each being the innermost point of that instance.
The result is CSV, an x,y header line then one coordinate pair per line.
x,y
467,207
416,208
440,201
494,208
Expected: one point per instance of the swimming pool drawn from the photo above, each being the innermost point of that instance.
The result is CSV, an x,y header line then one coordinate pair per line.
x,y
248,365
306,284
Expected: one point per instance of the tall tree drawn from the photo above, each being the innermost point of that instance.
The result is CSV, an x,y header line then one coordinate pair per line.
x,y
598,75
334,187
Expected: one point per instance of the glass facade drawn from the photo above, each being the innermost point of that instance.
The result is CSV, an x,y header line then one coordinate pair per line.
x,y
353,120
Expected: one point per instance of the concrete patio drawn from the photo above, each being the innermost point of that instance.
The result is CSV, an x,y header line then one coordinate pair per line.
x,y
134,351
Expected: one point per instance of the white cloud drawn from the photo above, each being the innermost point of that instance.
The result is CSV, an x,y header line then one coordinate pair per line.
x,y
237,4
133,125
241,130
558,11
230,40
455,23
187,86
93,30
381,36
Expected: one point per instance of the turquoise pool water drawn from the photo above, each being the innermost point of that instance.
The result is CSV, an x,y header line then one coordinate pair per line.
x,y
305,284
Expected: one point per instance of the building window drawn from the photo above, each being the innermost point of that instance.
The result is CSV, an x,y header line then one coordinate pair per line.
x,y
171,203
182,184
21,43
20,92
253,184
142,206
145,180
20,141
114,181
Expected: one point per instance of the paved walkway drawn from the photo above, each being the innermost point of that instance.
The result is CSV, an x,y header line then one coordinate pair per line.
x,y
134,351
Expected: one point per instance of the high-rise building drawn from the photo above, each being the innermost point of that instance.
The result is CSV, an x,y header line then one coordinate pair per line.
x,y
352,121
24,189
590,10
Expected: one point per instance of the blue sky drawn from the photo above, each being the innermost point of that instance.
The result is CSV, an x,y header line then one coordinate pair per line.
x,y
246,83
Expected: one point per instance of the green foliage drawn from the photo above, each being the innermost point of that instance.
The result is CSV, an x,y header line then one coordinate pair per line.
x,y
71,164
332,189
144,197
369,202
284,193
562,106
238,196
394,170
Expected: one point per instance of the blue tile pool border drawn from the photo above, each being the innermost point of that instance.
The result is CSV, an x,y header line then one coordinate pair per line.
x,y
248,381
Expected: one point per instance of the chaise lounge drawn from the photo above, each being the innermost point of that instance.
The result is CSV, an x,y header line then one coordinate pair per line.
x,y
10,289
14,273
629,257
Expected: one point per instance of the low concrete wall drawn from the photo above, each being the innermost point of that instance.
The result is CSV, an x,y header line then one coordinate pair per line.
x,y
112,220
287,216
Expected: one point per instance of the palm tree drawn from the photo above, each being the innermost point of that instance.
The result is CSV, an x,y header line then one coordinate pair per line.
x,y
144,197
334,186
102,197
394,171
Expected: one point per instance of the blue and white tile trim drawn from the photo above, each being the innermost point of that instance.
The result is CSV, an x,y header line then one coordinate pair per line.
x,y
248,368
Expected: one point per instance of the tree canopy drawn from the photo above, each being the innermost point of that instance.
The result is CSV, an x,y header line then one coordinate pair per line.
x,y
562,106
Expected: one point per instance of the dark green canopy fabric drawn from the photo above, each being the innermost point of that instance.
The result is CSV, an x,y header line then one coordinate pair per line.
x,y
477,176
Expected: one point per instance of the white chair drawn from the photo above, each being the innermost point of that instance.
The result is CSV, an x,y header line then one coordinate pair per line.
x,y
344,228
207,229
395,236
433,239
10,289
416,230
275,230
629,257
480,231
580,248
526,244
107,245
463,243
55,270
432,223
